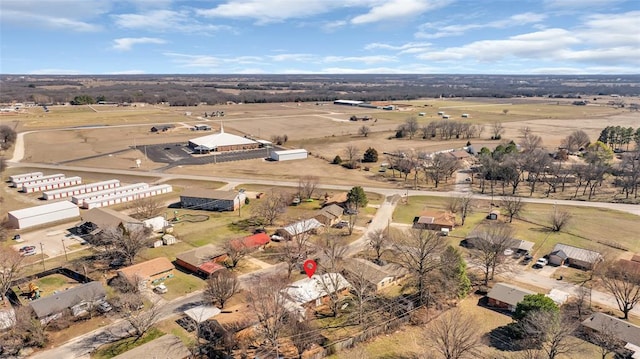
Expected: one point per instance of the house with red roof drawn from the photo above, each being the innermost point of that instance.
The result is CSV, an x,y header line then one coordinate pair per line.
x,y
251,243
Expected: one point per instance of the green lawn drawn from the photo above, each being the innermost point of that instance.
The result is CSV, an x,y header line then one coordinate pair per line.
x,y
405,213
182,284
116,348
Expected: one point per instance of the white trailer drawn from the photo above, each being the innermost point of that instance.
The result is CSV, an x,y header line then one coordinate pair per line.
x,y
22,181
288,155
127,197
47,213
24,176
86,188
53,184
81,198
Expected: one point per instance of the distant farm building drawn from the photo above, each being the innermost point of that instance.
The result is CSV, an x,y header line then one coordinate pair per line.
x,y
347,102
86,188
288,155
47,213
162,128
212,200
221,142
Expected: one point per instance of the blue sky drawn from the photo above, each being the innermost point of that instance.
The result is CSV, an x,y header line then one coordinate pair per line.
x,y
319,36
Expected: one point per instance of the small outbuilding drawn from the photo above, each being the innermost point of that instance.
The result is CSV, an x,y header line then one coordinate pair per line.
x,y
563,254
288,155
506,296
162,128
46,213
212,200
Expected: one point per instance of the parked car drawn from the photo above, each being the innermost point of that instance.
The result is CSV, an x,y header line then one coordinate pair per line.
x,y
27,251
541,262
526,259
277,238
160,289
17,238
104,307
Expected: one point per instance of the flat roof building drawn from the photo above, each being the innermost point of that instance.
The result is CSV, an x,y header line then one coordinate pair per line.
x,y
47,213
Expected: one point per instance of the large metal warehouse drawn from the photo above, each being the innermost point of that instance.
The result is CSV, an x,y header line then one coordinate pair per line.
x,y
53,184
85,188
24,176
127,197
47,213
81,198
288,155
19,182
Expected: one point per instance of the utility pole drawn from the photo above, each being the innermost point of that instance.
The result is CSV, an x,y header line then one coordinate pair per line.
x,y
64,248
42,251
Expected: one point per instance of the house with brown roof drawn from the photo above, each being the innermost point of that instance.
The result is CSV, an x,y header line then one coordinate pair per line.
x,y
339,198
329,215
152,271
506,296
202,261
212,200
459,155
378,277
435,220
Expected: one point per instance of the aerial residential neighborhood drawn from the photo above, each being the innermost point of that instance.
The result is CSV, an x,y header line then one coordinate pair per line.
x,y
305,180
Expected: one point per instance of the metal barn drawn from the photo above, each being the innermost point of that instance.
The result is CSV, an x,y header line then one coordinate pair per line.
x,y
47,213
288,155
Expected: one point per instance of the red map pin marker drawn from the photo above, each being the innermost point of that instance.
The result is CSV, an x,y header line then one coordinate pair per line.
x,y
310,267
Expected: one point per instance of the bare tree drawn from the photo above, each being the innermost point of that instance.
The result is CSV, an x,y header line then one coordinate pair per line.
x,y
26,331
236,250
125,242
462,204
220,286
378,241
624,284
364,130
575,141
302,334
552,332
418,251
498,130
141,318
351,155
512,206
559,219
453,335
441,167
606,338
307,185
145,208
363,291
268,305
271,207
490,242
10,267
8,137
411,126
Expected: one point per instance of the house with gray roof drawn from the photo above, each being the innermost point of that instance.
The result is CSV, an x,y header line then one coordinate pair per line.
x,y
167,346
563,254
626,333
78,300
378,277
506,296
308,293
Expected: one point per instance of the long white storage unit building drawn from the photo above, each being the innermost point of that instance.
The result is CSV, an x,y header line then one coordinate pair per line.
x,y
85,188
81,198
53,184
127,197
24,176
29,181
288,155
47,213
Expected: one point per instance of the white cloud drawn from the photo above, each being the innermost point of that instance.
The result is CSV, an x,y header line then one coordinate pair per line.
x,y
266,11
394,9
55,14
127,72
165,20
611,29
55,72
408,48
211,62
292,57
361,59
127,43
460,29
580,4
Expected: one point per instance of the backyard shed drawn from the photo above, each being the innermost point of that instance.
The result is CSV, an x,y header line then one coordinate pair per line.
x,y
288,155
211,200
46,213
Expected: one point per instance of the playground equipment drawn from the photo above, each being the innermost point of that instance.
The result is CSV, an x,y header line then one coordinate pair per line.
x,y
34,291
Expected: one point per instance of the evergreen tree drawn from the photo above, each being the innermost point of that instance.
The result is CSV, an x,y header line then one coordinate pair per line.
x,y
370,155
356,196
